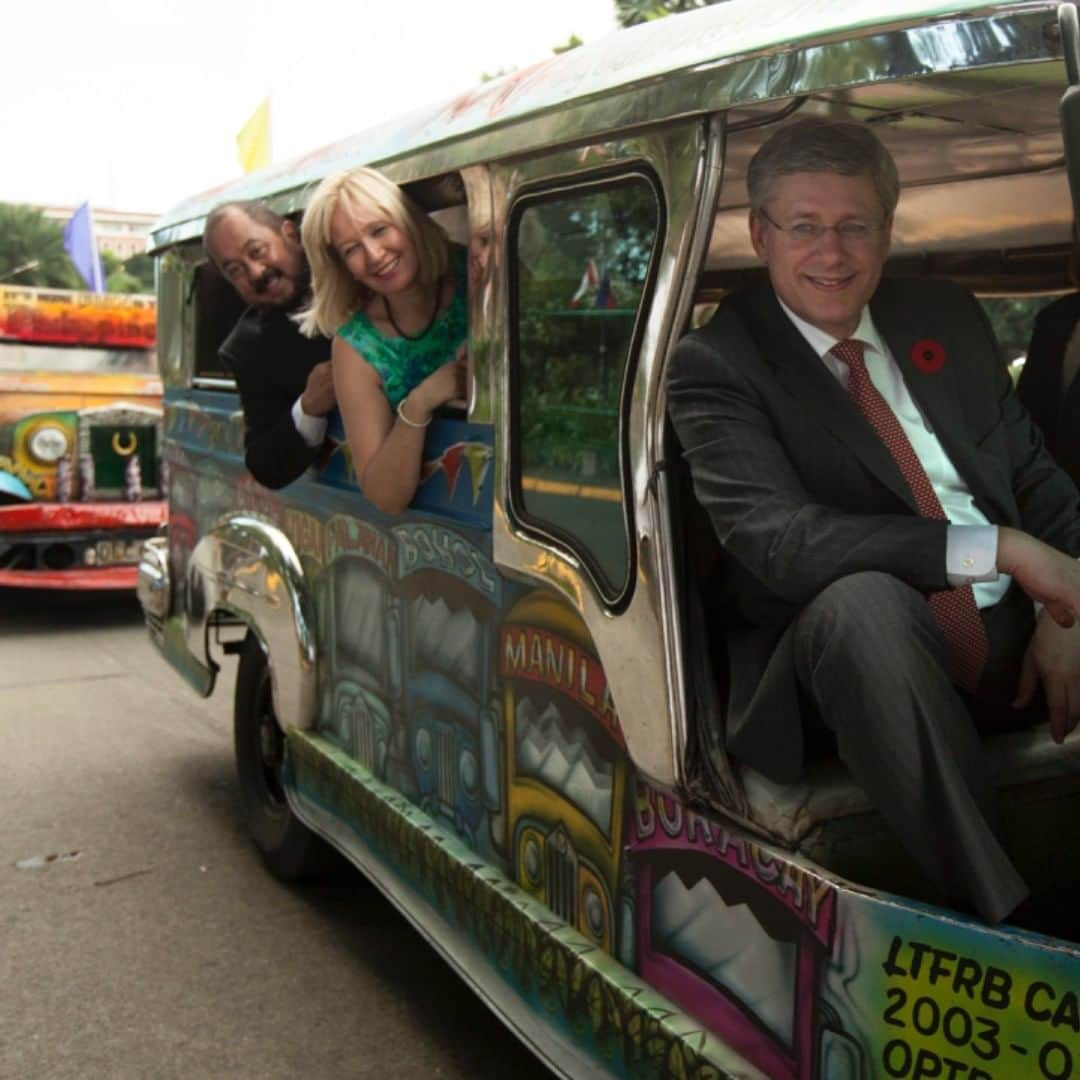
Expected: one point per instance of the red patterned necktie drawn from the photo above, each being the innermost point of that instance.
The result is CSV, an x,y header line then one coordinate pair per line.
x,y
954,609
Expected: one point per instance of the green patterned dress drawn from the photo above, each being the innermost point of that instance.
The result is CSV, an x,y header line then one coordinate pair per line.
x,y
404,363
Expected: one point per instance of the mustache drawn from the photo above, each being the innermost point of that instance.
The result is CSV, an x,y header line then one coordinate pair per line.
x,y
264,282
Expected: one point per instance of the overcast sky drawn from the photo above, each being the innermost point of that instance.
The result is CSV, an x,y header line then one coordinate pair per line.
x,y
135,104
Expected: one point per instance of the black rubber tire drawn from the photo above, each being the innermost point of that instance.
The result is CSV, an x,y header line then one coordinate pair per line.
x,y
290,850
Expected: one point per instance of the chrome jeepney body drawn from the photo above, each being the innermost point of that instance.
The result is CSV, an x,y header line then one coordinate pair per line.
x,y
552,804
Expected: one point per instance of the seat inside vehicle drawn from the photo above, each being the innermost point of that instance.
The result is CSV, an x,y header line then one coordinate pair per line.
x,y
986,205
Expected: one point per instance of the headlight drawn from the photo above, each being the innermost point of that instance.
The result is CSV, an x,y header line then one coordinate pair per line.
x,y
344,716
594,913
531,861
469,771
424,756
48,444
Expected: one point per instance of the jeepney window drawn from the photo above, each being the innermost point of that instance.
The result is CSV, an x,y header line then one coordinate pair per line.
x,y
170,314
217,307
581,273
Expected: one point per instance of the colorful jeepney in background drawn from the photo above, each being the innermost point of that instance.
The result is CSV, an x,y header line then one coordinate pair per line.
x,y
80,427
506,706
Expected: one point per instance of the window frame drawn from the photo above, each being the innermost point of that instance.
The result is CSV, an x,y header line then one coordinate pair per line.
x,y
204,275
615,597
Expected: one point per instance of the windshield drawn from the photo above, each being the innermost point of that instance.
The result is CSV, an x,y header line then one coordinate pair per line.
x,y
16,356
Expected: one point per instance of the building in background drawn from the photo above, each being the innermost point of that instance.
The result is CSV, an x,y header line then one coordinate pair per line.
x,y
122,233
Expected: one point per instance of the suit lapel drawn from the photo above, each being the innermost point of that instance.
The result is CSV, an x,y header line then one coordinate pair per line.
x,y
803,374
939,396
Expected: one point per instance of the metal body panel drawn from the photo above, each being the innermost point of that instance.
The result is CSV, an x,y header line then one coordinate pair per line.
x,y
631,645
154,583
247,568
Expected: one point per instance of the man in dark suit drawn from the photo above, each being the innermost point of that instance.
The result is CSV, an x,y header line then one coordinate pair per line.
x,y
886,511
285,380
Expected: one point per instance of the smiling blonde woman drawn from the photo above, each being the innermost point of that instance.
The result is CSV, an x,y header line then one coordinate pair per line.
x,y
390,289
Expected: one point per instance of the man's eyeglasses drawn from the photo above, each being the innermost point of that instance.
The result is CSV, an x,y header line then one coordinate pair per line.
x,y
804,233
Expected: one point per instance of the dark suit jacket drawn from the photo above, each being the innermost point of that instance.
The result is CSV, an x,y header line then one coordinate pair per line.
x,y
271,360
801,491
1057,414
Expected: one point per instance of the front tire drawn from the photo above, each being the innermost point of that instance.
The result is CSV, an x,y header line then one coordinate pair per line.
x,y
290,850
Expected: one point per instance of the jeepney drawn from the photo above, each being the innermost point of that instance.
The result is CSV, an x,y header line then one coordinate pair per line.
x,y
80,427
506,706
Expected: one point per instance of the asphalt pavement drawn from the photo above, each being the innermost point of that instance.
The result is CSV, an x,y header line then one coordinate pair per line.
x,y
140,935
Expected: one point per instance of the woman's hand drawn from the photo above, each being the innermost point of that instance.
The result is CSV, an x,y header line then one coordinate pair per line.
x,y
444,386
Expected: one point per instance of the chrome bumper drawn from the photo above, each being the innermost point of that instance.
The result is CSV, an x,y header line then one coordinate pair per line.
x,y
154,588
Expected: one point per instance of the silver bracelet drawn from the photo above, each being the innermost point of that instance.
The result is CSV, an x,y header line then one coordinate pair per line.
x,y
406,420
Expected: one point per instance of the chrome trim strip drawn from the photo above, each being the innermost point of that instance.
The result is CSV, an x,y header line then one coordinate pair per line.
x,y
486,259
153,587
247,567
671,565
206,382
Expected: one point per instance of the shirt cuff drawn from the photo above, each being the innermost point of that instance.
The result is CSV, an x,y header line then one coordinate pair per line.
x,y
312,429
971,554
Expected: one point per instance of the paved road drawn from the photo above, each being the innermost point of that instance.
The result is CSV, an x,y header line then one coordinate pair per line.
x,y
155,945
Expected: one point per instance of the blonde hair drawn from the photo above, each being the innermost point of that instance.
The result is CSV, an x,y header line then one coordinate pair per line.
x,y
336,294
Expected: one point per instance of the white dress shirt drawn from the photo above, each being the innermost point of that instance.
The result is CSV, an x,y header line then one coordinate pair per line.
x,y
312,428
971,542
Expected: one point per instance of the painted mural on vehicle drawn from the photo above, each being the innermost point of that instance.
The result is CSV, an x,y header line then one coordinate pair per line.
x,y
482,701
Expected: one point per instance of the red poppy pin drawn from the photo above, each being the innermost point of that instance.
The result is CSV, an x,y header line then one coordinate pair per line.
x,y
928,356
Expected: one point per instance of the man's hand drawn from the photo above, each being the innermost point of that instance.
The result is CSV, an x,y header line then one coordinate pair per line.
x,y
1053,657
1048,576
318,396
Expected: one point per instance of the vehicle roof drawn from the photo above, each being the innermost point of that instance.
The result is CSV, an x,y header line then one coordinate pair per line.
x,y
646,57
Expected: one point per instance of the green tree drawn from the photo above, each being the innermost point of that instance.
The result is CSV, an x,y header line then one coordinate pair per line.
x,y
132,275
632,12
28,237
141,267
1013,318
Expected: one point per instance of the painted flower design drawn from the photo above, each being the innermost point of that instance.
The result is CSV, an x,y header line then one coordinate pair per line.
x,y
928,356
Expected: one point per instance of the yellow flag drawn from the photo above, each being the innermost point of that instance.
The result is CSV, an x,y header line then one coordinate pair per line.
x,y
253,139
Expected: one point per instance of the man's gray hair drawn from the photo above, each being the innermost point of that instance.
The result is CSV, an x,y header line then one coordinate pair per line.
x,y
817,146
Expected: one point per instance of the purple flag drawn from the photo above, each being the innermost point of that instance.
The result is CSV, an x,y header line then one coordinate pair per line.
x,y
82,249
